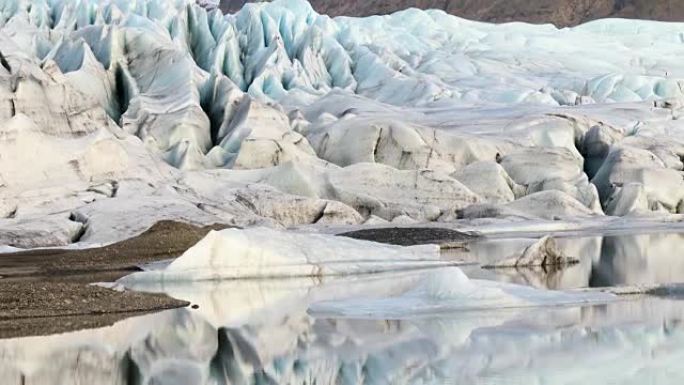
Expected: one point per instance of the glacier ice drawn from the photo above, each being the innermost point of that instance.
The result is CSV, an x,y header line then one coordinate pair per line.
x,y
116,114
543,253
450,290
266,253
411,117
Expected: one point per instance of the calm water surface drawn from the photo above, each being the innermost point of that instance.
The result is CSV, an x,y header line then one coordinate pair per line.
x,y
261,332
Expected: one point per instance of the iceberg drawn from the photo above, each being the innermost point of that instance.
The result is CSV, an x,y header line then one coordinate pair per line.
x,y
259,253
266,253
450,290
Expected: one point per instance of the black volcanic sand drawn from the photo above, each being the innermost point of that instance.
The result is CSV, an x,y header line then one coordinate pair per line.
x,y
410,236
49,291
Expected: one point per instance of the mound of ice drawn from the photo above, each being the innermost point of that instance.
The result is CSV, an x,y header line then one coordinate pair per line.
x,y
449,290
445,284
266,253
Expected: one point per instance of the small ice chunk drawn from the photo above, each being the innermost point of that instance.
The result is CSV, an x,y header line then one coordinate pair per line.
x,y
544,252
449,290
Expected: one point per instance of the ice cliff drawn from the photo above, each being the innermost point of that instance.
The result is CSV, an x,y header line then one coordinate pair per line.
x,y
277,115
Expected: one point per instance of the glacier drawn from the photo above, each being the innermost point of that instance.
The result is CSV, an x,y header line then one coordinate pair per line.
x,y
117,114
289,127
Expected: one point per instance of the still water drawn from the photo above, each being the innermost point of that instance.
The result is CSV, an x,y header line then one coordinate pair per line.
x,y
615,260
264,332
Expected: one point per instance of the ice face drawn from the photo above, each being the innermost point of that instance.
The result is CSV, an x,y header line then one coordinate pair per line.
x,y
284,50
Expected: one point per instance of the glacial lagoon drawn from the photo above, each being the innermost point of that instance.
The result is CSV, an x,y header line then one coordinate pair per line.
x,y
263,331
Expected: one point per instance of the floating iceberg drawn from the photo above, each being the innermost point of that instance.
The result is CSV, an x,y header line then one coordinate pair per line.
x,y
450,290
266,253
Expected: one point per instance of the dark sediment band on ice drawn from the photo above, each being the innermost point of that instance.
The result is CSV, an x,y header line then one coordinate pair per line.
x,y
409,236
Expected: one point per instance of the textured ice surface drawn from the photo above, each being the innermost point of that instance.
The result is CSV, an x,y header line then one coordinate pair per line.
x,y
115,114
160,109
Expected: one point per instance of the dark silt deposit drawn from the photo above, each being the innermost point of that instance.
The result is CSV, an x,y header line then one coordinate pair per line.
x,y
50,291
409,236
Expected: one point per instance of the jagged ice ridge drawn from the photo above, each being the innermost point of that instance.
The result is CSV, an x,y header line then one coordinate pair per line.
x,y
277,115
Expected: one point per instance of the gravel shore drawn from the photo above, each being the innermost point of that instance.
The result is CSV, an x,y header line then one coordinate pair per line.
x,y
50,291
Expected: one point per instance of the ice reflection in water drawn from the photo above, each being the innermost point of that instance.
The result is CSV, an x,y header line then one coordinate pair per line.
x,y
259,332
627,259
